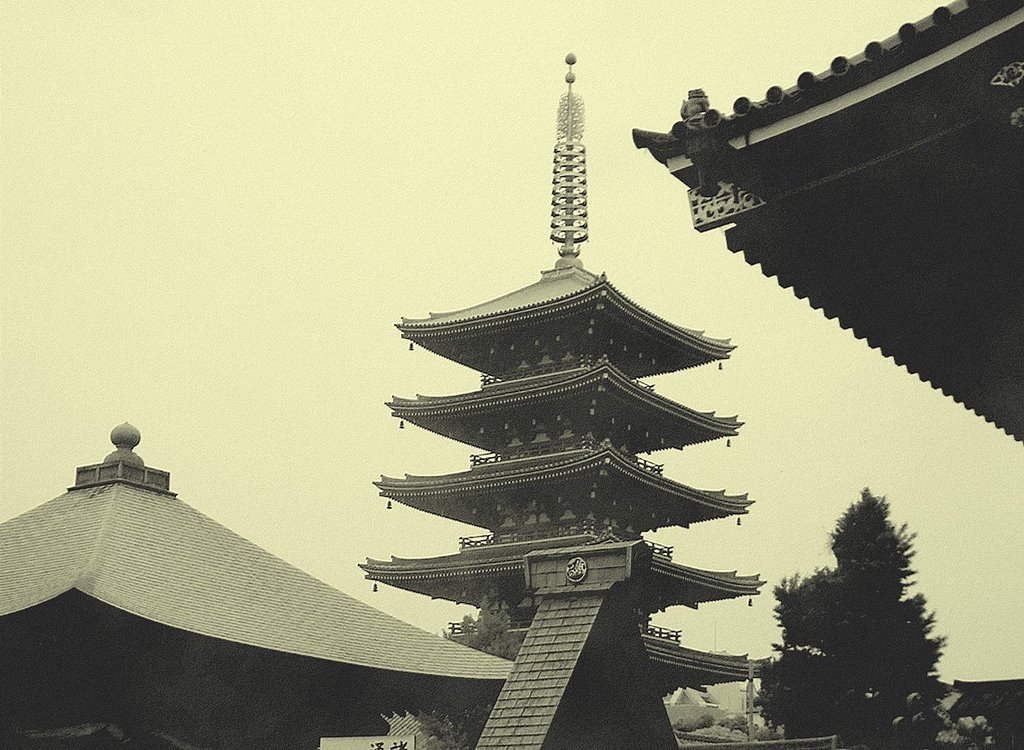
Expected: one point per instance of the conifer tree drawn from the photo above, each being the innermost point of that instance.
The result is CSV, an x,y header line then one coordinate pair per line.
x,y
855,642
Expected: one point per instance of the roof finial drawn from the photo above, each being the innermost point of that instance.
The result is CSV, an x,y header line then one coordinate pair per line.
x,y
569,195
125,437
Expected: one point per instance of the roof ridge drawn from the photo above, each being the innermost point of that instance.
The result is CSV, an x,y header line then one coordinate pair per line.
x,y
102,535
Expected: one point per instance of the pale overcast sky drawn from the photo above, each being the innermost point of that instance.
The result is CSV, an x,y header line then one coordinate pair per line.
x,y
212,215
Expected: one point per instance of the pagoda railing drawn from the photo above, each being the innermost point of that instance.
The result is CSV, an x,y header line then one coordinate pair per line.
x,y
545,369
650,466
656,632
460,628
541,449
645,386
511,537
659,550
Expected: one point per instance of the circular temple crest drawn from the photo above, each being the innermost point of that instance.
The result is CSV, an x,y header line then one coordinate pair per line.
x,y
576,570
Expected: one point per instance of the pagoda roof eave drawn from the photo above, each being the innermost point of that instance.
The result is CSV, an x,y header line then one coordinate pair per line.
x,y
712,585
524,304
677,584
693,667
712,504
443,406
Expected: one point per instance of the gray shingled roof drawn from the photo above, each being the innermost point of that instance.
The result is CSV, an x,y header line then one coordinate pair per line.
x,y
528,701
150,554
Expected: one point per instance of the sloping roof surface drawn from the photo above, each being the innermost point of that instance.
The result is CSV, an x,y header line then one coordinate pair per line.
x,y
528,701
552,285
154,556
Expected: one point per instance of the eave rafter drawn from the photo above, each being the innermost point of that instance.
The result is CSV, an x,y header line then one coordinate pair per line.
x,y
461,496
678,666
451,335
456,416
667,583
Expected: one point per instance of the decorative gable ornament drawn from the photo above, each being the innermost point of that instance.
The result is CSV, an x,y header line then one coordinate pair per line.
x,y
576,570
1011,75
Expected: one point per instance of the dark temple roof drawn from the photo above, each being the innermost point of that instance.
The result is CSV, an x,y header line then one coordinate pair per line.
x,y
150,554
887,192
916,46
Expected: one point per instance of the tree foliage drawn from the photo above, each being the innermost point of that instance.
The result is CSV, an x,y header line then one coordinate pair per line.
x,y
855,644
453,731
489,631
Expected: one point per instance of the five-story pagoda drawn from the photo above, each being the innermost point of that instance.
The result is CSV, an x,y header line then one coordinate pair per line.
x,y
565,494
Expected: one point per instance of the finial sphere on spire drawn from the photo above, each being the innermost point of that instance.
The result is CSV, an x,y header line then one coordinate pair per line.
x,y
570,77
125,436
570,59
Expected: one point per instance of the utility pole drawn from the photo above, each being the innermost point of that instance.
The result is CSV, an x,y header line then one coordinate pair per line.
x,y
750,700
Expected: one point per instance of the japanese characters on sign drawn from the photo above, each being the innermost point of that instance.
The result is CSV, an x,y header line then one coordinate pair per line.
x,y
395,742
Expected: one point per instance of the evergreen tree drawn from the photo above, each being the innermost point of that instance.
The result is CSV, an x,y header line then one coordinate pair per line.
x,y
855,644
489,631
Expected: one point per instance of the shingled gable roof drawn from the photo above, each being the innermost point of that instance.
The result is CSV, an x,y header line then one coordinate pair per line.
x,y
152,555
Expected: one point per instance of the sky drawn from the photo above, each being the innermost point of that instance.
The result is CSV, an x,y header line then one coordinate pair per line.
x,y
211,216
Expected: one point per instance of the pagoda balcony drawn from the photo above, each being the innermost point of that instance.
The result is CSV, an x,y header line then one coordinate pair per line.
x,y
456,629
664,633
541,368
653,468
517,536
552,368
532,451
560,447
659,550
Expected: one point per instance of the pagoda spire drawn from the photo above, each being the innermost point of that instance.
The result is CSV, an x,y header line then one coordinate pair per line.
x,y
569,193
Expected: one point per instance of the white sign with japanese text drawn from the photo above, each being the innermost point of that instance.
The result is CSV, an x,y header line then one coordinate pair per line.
x,y
394,742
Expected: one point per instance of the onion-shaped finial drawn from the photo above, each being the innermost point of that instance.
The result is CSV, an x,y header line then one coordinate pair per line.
x,y
125,437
